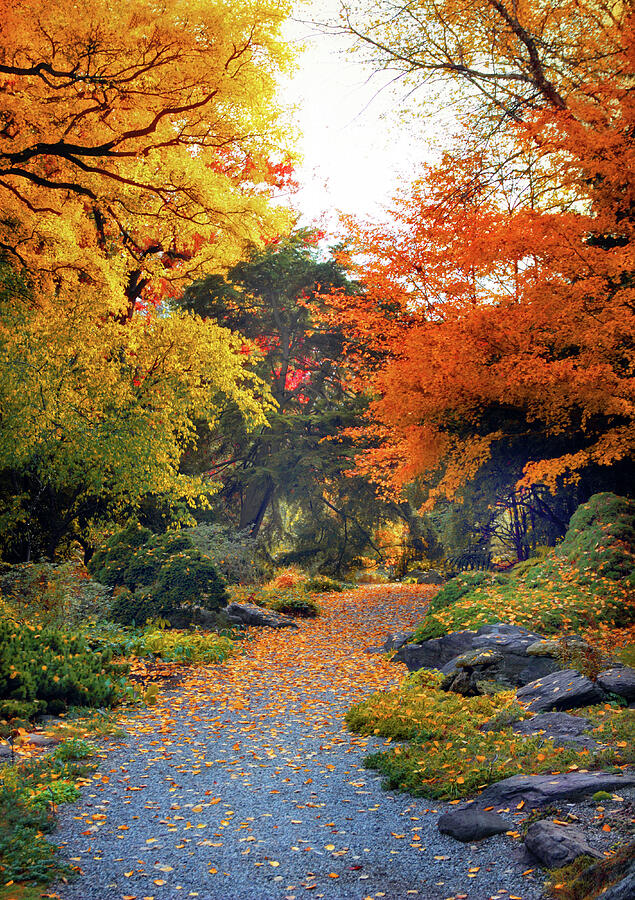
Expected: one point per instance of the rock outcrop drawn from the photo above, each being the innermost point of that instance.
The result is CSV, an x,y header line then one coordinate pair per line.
x,y
566,689
619,680
249,614
514,666
541,790
555,845
559,727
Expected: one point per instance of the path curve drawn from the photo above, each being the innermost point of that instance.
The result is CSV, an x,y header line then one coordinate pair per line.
x,y
245,785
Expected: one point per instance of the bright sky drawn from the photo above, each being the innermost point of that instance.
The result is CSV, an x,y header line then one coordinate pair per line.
x,y
356,152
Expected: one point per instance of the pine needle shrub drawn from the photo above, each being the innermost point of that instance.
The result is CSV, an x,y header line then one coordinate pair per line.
x,y
157,576
43,670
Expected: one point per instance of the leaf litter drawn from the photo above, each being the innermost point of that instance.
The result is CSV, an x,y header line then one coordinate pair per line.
x,y
243,770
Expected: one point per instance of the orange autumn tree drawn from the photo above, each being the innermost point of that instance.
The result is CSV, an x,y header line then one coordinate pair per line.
x,y
501,293
140,146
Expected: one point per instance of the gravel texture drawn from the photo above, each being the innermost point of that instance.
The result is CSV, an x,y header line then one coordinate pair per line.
x,y
244,784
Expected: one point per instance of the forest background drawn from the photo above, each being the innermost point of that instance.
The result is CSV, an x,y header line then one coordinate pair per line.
x,y
203,398
174,351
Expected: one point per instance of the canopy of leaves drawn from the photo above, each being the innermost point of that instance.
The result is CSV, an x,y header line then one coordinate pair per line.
x,y
138,148
502,294
133,133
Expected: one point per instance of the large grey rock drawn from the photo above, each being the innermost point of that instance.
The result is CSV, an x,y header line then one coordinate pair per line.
x,y
540,790
506,638
557,845
463,679
396,640
619,680
435,653
624,889
249,614
559,727
513,667
471,824
566,689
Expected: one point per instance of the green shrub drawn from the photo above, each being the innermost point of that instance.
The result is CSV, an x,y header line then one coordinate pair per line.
x,y
292,603
189,578
128,608
601,537
187,647
55,793
323,584
74,748
109,563
20,709
235,554
29,793
49,671
158,576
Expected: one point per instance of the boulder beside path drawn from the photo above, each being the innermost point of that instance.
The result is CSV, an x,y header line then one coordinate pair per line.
x,y
250,614
555,844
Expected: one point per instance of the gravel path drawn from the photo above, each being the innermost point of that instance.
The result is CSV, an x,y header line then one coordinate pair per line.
x,y
245,785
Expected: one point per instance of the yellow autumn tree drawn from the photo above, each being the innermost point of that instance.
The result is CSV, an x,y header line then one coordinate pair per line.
x,y
140,145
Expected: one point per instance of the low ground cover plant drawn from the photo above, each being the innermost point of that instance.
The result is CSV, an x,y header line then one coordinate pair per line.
x,y
30,791
324,584
585,584
44,670
185,646
448,756
292,601
288,592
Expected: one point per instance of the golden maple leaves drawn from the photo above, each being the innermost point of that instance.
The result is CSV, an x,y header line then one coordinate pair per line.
x,y
137,150
128,135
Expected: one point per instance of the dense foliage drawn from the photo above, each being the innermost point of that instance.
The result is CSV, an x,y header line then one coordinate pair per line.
x,y
237,556
501,292
45,670
291,474
585,584
157,576
137,151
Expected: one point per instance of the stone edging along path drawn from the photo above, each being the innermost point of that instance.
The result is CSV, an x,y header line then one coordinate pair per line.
x,y
244,783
